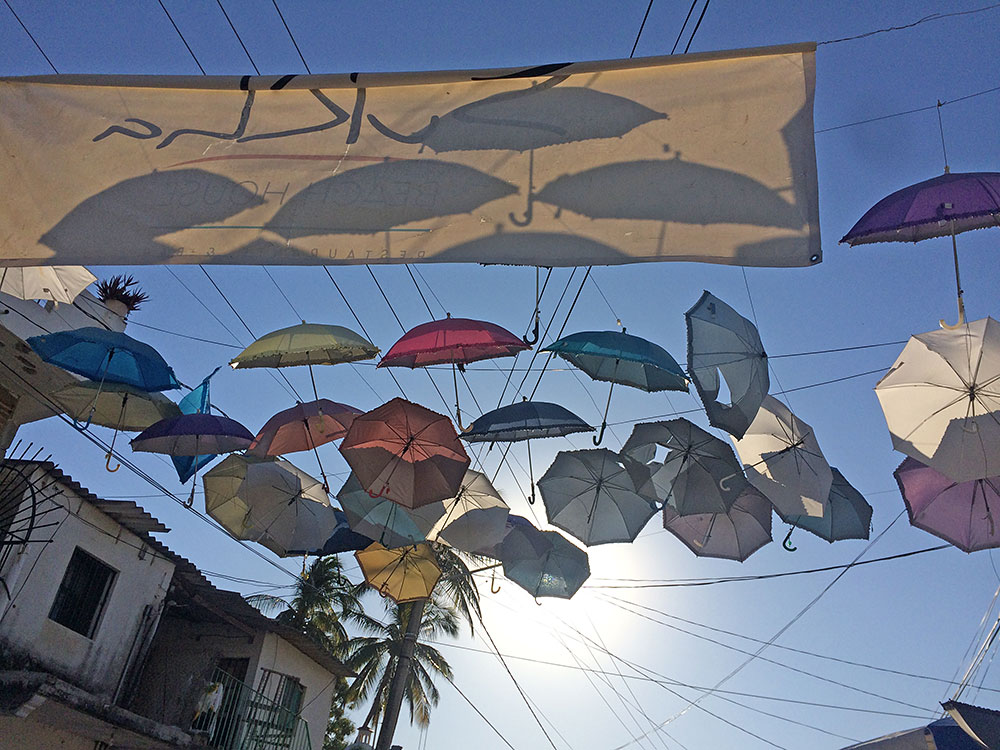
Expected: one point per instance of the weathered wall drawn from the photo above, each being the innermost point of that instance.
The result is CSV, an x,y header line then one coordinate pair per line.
x,y
279,655
25,734
34,575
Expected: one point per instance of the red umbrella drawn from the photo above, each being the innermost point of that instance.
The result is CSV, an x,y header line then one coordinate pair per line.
x,y
302,428
454,341
406,453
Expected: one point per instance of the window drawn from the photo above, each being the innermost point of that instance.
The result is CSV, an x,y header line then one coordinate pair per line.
x,y
83,593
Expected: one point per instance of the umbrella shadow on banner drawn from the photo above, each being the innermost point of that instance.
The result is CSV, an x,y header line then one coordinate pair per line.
x,y
136,211
533,248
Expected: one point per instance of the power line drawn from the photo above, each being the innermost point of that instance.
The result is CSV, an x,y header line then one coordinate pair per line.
x,y
694,4
696,26
238,37
291,36
31,36
188,46
925,19
641,27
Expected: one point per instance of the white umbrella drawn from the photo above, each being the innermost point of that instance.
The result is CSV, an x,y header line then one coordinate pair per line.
x,y
941,400
59,283
475,518
784,461
269,501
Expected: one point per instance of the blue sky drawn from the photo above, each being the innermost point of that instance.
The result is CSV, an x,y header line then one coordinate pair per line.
x,y
916,615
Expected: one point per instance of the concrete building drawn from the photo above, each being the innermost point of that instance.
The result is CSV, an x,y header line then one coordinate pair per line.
x,y
110,639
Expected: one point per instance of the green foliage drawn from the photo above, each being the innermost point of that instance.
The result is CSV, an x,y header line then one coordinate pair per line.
x,y
339,729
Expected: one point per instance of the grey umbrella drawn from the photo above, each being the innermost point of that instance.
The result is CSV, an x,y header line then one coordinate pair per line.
x,y
848,515
699,474
543,563
731,536
592,495
722,344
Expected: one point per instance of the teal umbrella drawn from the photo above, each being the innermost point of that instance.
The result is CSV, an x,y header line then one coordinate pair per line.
x,y
617,357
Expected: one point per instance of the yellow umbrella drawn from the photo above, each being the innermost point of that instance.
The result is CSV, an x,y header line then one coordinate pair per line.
x,y
404,574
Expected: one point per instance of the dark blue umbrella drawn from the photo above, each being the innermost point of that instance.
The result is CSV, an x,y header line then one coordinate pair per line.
x,y
523,421
544,563
106,356
343,539
617,357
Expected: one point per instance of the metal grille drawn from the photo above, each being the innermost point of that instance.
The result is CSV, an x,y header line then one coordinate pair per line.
x,y
83,593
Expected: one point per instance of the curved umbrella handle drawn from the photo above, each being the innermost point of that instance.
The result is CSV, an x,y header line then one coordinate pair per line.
x,y
534,333
787,543
724,482
107,463
961,317
494,589
189,503
600,435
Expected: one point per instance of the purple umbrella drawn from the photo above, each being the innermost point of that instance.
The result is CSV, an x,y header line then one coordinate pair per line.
x,y
945,205
731,536
961,513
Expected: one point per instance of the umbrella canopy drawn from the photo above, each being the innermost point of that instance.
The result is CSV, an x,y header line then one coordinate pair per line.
x,y
384,521
303,427
106,356
699,474
848,515
493,549
961,513
404,574
406,453
523,421
943,734
193,435
543,563
269,501
342,539
452,341
198,401
956,201
980,723
722,344
476,517
941,400
591,495
114,405
783,460
59,283
731,536
305,344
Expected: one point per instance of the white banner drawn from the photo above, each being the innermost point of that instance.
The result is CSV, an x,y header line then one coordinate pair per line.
x,y
697,157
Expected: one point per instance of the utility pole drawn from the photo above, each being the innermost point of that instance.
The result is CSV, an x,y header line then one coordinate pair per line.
x,y
395,700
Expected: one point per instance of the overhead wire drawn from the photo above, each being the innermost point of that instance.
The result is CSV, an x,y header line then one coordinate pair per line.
x,y
291,36
31,36
694,4
238,37
925,19
185,41
697,26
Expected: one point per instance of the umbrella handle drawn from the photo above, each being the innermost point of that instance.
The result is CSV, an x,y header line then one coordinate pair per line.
x,y
961,317
190,499
600,435
494,589
787,543
107,463
958,286
724,482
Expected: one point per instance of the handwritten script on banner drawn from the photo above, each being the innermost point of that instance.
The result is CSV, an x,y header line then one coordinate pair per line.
x,y
700,158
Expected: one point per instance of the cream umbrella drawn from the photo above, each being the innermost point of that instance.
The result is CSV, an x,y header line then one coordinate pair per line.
x,y
58,283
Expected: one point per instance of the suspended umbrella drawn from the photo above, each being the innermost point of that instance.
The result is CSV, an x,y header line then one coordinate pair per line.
x,y
620,358
524,421
982,724
269,501
107,357
699,473
730,536
404,574
475,517
848,515
723,345
198,401
193,435
961,513
58,283
941,400
493,549
406,453
385,521
942,734
945,205
544,563
591,495
115,405
306,344
303,427
454,341
784,461
343,539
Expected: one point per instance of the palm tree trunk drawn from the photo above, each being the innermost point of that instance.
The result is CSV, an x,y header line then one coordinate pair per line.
x,y
396,689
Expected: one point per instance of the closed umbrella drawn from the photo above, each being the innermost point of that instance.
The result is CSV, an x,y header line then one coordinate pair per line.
x,y
58,283
723,345
406,453
698,474
269,501
523,421
941,400
385,521
619,358
544,563
961,513
784,461
591,495
404,574
730,536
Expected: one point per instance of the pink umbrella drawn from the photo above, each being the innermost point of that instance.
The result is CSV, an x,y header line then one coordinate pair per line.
x,y
302,428
961,513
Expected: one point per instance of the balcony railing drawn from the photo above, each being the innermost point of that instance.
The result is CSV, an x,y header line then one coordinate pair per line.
x,y
236,717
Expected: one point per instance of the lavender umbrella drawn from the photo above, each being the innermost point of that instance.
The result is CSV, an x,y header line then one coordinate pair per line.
x,y
942,206
961,513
